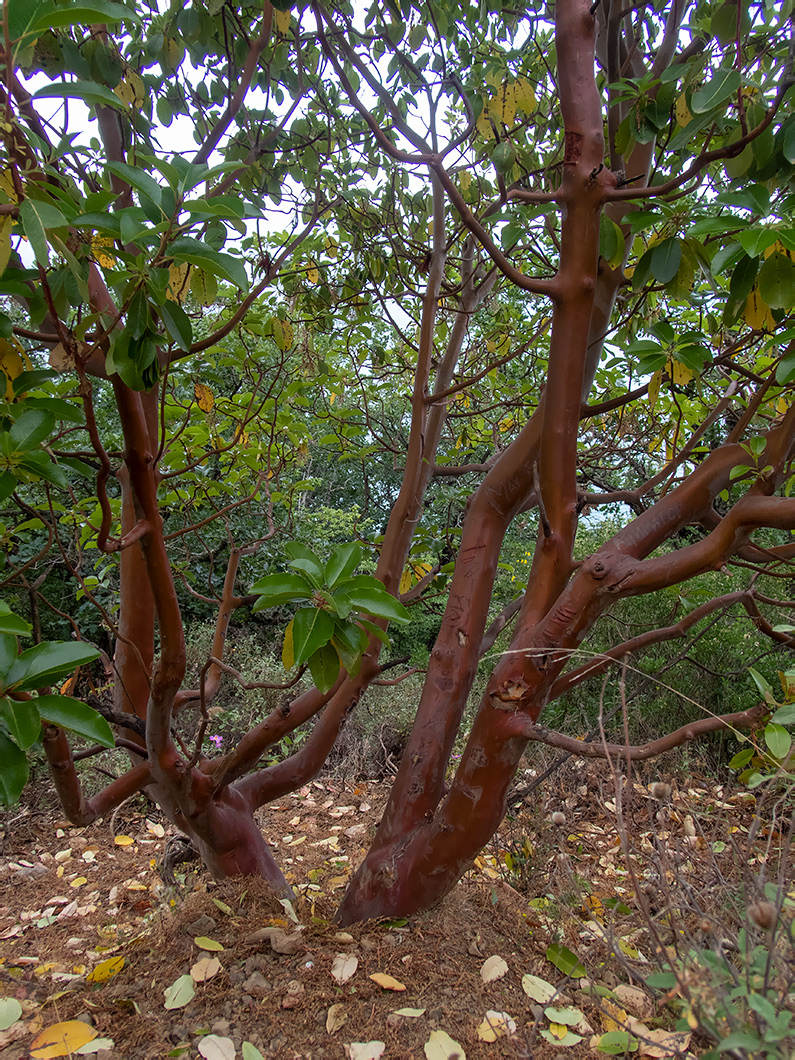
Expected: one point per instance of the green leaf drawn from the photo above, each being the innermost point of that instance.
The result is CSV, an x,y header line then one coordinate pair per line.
x,y
139,179
742,758
503,156
28,18
725,83
324,666
369,595
138,316
374,630
342,562
763,685
36,217
45,663
186,248
304,559
177,324
617,1043
13,770
181,991
665,258
778,740
661,981
77,717
11,623
276,589
777,281
784,715
40,465
30,430
251,1052
611,241
565,961
312,628
91,93
23,721
740,1040
7,485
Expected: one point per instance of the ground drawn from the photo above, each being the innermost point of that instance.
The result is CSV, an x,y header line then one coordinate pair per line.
x,y
90,932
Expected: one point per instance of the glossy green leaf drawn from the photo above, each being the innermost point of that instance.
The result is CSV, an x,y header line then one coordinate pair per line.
x,y
723,84
342,562
77,717
370,596
742,758
13,770
186,248
276,589
36,218
11,623
312,628
178,324
47,662
41,466
304,559
91,93
23,721
777,281
778,740
31,429
665,258
784,715
565,961
324,666
763,685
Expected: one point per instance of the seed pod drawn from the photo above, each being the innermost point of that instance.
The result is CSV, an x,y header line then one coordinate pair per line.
x,y
763,915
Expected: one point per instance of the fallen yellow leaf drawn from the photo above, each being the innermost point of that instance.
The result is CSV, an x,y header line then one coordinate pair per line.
x,y
387,982
62,1039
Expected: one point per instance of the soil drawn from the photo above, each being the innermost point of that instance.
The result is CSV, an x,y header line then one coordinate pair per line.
x,y
71,898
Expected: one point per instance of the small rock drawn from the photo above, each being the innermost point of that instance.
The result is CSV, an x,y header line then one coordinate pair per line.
x,y
203,926
257,985
220,1027
293,997
256,963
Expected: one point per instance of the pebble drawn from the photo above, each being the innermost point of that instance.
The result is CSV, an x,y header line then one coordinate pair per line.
x,y
203,926
257,985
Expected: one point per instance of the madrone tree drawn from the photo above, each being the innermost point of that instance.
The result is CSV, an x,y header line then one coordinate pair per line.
x,y
537,262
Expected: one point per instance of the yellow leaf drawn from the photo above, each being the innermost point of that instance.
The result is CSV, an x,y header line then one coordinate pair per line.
x,y
464,179
507,104
405,581
559,1030
106,970
123,841
281,20
496,1025
524,95
62,1039
312,275
288,651
757,312
387,982
203,286
178,276
782,406
208,944
12,363
130,90
683,115
680,373
6,224
79,882
614,1018
7,186
331,246
654,388
205,398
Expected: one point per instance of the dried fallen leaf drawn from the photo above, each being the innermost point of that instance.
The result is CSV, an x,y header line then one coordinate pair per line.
x,y
344,967
496,1025
335,1017
213,1047
205,943
613,1017
635,1000
665,1043
440,1046
409,1013
180,992
365,1050
106,970
387,981
98,1045
538,989
493,968
61,1039
10,1012
205,969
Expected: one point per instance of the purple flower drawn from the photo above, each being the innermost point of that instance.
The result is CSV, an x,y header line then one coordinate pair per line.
x,y
217,740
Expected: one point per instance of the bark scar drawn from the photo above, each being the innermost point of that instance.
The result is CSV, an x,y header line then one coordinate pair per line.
x,y
573,148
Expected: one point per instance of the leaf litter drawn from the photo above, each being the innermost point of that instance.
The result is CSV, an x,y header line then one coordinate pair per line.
x,y
118,948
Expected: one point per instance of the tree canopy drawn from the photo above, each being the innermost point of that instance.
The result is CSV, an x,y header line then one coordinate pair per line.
x,y
466,273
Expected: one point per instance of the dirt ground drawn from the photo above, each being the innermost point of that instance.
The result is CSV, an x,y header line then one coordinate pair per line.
x,y
90,932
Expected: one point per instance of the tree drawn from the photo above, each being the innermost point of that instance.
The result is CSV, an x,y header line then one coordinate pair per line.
x,y
541,261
